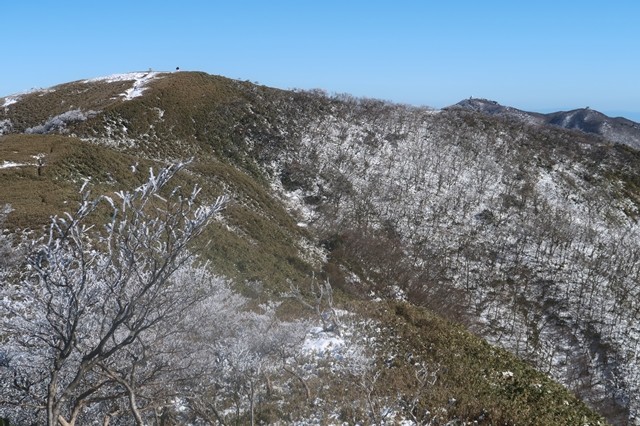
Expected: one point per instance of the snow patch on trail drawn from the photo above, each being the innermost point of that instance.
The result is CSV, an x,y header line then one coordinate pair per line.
x,y
140,80
138,87
10,164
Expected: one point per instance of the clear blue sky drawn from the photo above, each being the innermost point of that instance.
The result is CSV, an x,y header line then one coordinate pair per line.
x,y
535,55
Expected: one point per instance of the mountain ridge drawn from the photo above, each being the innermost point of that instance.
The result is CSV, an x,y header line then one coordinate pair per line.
x,y
497,223
616,129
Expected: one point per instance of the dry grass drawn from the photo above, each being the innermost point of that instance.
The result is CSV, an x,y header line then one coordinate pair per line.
x,y
36,193
474,381
255,242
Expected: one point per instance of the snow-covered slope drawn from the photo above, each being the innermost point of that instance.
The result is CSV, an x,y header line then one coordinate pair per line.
x,y
618,130
528,228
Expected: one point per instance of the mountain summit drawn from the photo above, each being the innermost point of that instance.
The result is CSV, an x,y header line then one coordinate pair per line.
x,y
618,130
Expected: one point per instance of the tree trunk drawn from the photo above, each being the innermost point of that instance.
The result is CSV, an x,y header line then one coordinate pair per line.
x,y
301,380
251,401
52,410
134,407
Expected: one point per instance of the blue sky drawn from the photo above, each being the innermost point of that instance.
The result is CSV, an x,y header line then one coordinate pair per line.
x,y
535,55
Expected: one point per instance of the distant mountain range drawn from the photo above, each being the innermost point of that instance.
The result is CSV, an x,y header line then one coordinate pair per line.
x,y
618,129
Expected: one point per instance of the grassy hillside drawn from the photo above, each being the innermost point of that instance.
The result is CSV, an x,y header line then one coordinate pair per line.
x,y
257,240
472,379
39,188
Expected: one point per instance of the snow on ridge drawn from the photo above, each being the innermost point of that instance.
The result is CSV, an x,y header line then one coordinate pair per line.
x,y
119,77
138,86
10,100
15,97
140,79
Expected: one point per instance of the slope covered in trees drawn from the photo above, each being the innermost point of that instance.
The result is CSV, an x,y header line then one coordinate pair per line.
x,y
525,234
618,129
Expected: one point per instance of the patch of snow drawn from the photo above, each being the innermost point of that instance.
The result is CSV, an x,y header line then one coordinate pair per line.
x,y
10,100
160,113
9,164
507,374
118,77
321,342
180,404
140,80
38,157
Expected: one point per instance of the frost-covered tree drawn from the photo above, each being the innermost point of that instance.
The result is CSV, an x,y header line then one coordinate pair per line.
x,y
59,122
91,329
241,358
7,253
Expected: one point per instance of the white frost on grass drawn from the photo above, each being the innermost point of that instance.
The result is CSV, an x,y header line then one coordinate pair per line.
x,y
320,342
349,349
11,164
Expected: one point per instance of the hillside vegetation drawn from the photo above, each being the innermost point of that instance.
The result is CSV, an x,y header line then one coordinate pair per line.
x,y
423,222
